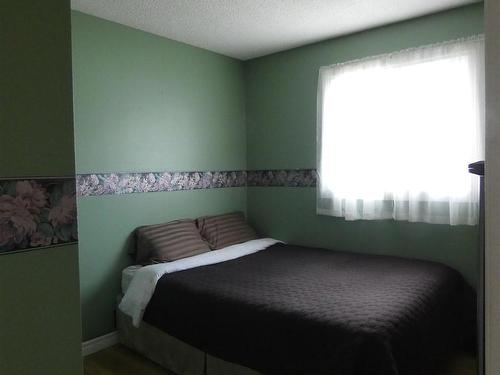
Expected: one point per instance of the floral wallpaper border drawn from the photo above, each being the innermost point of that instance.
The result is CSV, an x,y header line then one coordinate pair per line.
x,y
95,184
41,212
126,183
37,212
282,177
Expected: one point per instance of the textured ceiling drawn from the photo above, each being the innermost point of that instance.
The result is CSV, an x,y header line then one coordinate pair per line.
x,y
246,29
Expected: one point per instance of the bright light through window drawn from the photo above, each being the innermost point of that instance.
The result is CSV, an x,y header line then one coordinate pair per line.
x,y
397,132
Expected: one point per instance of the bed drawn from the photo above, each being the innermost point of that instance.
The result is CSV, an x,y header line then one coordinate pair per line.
x,y
299,310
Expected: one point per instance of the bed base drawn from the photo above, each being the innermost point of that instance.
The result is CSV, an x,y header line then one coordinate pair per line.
x,y
171,353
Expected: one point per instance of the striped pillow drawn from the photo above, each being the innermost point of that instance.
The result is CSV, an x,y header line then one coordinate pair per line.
x,y
169,241
224,230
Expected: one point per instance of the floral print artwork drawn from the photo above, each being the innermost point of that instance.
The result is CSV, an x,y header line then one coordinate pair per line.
x,y
36,213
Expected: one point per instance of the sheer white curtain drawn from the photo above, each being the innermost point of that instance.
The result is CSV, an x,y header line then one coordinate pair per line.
x,y
396,133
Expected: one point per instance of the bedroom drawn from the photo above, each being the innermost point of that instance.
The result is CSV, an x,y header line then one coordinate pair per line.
x,y
142,104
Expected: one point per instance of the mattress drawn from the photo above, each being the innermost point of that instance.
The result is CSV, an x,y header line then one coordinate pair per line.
x,y
127,276
297,310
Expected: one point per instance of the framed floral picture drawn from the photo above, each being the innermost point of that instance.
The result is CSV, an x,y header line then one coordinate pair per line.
x,y
36,213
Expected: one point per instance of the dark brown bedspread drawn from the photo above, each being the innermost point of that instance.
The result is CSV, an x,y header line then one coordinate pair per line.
x,y
297,310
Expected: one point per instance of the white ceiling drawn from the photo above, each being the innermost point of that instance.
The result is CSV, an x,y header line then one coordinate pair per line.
x,y
245,29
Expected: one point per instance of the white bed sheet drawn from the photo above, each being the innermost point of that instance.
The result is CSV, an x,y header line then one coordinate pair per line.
x,y
127,276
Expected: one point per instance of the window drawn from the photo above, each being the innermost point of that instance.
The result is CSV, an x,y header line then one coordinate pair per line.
x,y
396,133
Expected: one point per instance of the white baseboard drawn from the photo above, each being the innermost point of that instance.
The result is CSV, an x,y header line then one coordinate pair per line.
x,y
99,343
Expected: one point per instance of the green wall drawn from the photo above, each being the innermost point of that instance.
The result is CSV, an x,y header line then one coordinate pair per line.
x,y
40,325
281,133
146,103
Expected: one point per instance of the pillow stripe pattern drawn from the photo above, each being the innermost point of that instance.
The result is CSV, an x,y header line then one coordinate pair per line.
x,y
169,241
225,230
